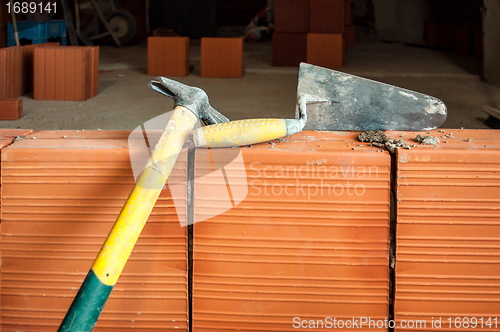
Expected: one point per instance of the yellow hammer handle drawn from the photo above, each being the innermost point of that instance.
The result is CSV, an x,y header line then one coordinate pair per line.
x,y
129,224
240,132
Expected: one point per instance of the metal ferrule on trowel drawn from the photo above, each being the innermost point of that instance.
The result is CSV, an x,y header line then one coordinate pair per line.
x,y
251,131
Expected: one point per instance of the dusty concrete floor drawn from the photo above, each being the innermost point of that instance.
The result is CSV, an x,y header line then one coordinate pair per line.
x,y
125,101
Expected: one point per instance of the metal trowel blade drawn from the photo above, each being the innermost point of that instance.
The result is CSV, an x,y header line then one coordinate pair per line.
x,y
359,104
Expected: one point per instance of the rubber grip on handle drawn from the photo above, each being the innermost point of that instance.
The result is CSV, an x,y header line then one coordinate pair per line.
x,y
239,133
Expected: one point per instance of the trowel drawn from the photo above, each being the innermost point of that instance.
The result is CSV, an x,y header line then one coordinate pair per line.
x,y
348,102
332,100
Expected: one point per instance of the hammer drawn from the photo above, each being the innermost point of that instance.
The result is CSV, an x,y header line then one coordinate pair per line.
x,y
191,104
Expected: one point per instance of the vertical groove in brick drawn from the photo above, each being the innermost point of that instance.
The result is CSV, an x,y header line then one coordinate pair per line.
x,y
66,73
292,16
289,49
168,56
94,71
222,57
325,50
326,16
60,196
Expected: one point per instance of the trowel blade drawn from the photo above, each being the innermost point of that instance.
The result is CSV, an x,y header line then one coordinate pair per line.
x,y
356,103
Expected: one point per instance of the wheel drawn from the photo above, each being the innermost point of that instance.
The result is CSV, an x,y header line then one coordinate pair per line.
x,y
123,24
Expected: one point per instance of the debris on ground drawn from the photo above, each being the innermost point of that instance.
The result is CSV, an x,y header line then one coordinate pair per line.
x,y
379,139
426,140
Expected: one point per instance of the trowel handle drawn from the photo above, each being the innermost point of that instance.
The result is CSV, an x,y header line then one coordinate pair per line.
x,y
242,132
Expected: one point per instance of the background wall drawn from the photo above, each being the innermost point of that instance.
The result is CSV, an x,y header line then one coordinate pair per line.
x,y
491,28
401,21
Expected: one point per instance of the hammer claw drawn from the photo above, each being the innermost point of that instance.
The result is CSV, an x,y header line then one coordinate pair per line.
x,y
192,98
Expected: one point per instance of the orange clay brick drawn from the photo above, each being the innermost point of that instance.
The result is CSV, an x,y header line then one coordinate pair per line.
x,y
325,50
448,227
65,73
292,16
310,238
7,136
222,57
11,109
168,56
60,197
12,83
29,51
326,16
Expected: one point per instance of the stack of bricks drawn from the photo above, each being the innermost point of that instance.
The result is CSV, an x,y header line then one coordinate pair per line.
x,y
16,78
291,19
307,231
315,31
61,193
66,73
464,38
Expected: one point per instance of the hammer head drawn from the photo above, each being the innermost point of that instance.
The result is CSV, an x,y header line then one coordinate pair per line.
x,y
192,98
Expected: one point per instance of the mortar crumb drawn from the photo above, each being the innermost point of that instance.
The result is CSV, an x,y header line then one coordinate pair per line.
x,y
373,136
379,139
426,140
